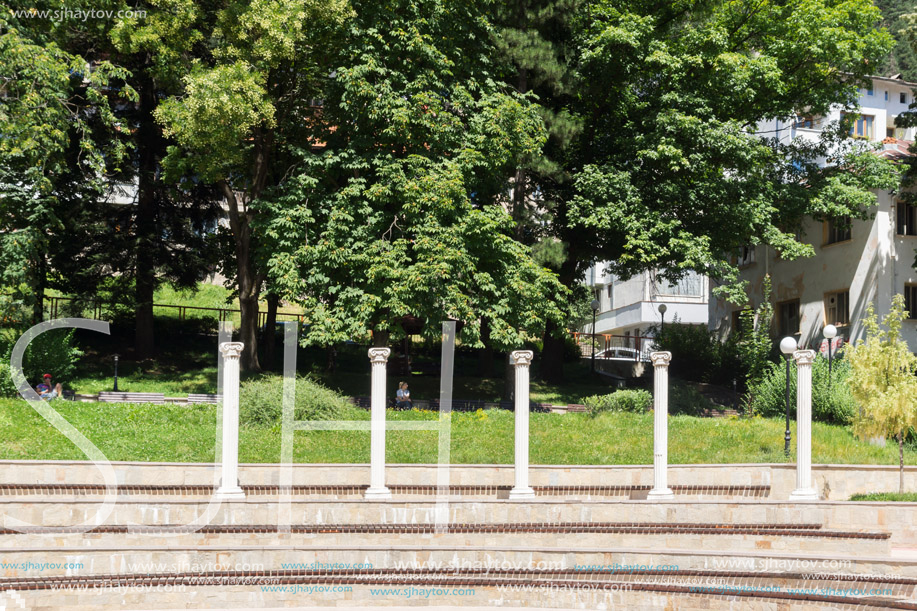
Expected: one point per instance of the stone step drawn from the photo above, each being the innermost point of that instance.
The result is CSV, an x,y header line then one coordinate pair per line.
x,y
651,536
542,589
617,561
835,482
846,516
77,491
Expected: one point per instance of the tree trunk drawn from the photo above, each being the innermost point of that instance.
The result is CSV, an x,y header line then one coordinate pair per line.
x,y
486,356
509,378
249,291
900,462
269,337
380,338
332,359
40,280
552,353
145,287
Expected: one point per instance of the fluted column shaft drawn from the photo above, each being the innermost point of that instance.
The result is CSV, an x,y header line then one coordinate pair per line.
x,y
229,484
805,490
377,489
661,490
522,359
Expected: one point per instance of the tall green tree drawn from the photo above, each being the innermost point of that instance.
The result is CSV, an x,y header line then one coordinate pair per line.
x,y
239,111
897,17
58,147
883,380
397,217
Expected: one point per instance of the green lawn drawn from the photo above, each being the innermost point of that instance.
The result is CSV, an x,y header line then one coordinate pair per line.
x,y
902,497
186,434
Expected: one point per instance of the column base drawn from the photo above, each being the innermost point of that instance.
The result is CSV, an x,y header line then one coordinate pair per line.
x,y
229,493
521,494
378,494
804,494
660,494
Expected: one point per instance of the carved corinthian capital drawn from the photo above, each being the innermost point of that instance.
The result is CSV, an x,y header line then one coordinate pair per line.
x,y
231,350
379,355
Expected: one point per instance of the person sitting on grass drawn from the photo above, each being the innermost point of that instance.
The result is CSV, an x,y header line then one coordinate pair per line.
x,y
403,396
47,390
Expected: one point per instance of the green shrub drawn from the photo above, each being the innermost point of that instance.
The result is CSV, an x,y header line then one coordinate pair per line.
x,y
688,400
698,355
7,388
833,403
261,401
637,401
51,352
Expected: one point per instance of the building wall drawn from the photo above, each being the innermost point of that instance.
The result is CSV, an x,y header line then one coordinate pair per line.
x,y
633,305
874,265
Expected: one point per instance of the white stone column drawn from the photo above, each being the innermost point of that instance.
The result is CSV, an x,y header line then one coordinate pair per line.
x,y
805,491
661,490
521,490
377,489
229,484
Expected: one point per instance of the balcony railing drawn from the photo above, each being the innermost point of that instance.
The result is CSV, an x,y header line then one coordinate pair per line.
x,y
615,347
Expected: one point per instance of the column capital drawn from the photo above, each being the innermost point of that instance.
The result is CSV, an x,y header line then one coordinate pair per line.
x,y
522,358
379,355
231,350
661,359
804,357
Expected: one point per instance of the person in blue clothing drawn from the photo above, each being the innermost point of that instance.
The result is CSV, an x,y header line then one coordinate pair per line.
x,y
403,396
48,390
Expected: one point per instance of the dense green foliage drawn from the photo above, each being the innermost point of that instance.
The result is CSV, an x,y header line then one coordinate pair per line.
x,y
261,401
636,401
903,58
883,378
831,402
698,354
51,352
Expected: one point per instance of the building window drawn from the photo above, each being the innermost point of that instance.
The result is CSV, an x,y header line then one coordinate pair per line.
x,y
837,308
862,126
746,256
869,92
886,96
689,285
838,230
788,318
902,97
910,300
737,319
805,122
905,219
611,298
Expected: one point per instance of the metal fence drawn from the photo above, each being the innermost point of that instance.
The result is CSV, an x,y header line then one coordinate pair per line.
x,y
617,347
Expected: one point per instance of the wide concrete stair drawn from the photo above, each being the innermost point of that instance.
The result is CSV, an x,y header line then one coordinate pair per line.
x,y
322,545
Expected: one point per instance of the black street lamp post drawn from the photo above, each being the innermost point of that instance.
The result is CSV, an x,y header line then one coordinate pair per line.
x,y
115,389
787,347
662,309
595,308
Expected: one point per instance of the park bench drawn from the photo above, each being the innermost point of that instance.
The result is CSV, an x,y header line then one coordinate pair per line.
x,y
132,397
204,398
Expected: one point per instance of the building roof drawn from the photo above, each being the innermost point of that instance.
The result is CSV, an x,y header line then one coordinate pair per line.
x,y
895,149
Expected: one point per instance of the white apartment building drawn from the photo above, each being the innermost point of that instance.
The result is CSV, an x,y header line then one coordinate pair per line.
x,y
628,308
867,262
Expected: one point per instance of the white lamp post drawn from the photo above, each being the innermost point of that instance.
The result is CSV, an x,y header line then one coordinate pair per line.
x,y
787,346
